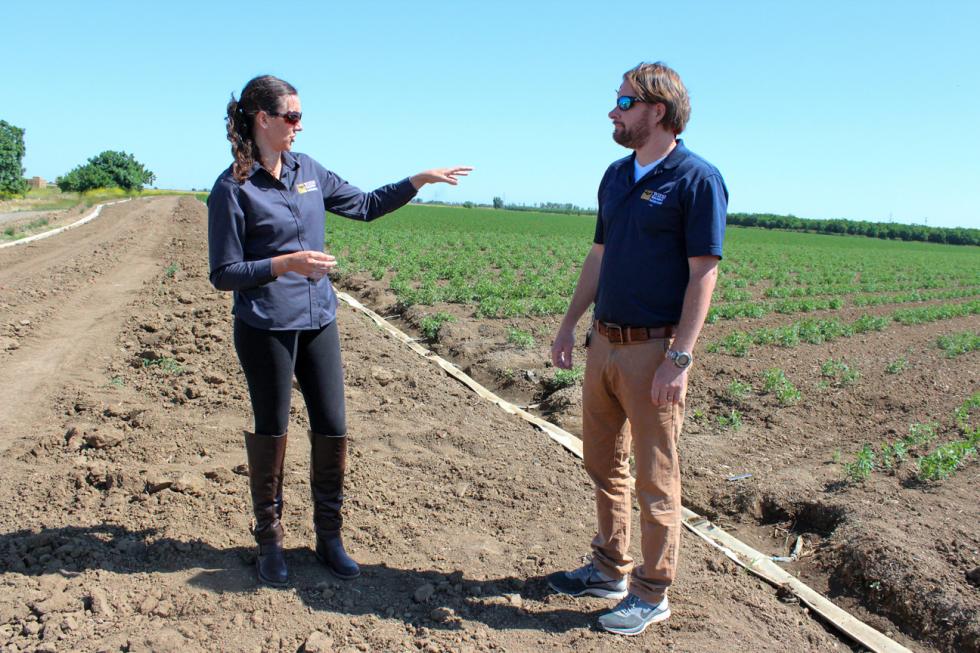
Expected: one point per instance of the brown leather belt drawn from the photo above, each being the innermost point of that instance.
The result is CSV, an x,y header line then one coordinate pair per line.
x,y
618,335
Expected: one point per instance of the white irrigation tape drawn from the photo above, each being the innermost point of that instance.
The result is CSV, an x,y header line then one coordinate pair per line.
x,y
755,561
92,215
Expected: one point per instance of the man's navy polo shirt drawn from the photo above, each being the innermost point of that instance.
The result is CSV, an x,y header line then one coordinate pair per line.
x,y
263,217
649,228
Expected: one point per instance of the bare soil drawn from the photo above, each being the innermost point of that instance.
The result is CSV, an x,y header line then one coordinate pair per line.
x,y
902,555
125,511
55,218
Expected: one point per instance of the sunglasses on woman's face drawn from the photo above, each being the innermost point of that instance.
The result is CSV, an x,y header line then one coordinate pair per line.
x,y
626,102
291,117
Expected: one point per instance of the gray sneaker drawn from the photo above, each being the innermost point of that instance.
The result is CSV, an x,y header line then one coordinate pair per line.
x,y
633,615
587,580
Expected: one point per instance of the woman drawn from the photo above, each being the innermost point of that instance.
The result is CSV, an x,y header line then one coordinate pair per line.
x,y
265,241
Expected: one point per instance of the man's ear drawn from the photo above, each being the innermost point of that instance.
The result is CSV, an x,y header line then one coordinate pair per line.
x,y
659,112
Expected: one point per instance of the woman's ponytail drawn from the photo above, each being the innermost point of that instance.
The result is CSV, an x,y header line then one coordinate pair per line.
x,y
243,147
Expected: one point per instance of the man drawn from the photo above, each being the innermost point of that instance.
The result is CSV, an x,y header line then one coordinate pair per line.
x,y
651,272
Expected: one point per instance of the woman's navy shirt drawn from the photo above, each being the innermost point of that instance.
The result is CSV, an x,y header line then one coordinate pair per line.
x,y
251,222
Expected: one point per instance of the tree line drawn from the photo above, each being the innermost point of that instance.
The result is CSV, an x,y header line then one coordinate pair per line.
x,y
884,230
109,169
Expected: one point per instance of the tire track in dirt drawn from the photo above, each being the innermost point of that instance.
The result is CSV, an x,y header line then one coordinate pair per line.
x,y
79,332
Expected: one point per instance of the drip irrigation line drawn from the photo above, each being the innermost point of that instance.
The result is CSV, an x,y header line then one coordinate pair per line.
x,y
745,556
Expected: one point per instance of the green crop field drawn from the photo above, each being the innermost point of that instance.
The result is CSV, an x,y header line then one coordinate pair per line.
x,y
510,264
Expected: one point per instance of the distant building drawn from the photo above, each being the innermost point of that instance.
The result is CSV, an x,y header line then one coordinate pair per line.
x,y
37,182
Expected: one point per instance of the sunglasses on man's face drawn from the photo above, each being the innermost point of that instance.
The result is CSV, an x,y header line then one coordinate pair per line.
x,y
291,117
626,102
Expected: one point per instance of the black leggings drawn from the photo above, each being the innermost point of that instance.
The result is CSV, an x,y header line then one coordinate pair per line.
x,y
269,360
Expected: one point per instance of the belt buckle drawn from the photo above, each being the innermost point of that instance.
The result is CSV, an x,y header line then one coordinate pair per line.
x,y
609,331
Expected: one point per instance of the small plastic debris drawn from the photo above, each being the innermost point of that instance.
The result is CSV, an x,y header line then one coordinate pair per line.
x,y
739,477
794,555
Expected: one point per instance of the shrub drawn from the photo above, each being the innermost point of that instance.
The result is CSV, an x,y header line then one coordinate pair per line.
x,y
110,169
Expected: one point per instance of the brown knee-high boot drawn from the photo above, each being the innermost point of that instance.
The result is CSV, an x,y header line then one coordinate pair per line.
x,y
266,454
328,462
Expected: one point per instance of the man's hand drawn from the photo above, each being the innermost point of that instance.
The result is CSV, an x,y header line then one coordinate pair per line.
x,y
669,384
437,175
561,348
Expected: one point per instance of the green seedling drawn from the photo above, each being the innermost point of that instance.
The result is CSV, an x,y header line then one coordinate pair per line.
x,y
897,365
839,373
165,364
775,382
566,378
523,339
731,421
944,461
738,390
431,325
862,466
171,270
957,344
921,433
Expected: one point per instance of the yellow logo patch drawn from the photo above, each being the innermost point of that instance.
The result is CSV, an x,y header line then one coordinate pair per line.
x,y
647,194
306,186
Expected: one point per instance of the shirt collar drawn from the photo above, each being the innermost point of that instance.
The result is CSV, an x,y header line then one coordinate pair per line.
x,y
288,160
678,154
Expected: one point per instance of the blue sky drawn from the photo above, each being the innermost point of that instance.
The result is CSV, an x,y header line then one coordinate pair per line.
x,y
864,110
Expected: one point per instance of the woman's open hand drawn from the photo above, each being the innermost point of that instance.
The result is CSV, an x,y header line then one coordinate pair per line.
x,y
440,175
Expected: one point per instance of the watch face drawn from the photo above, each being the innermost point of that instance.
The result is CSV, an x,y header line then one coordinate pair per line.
x,y
681,359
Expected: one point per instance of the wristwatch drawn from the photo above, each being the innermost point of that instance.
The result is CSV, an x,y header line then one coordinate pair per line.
x,y
682,359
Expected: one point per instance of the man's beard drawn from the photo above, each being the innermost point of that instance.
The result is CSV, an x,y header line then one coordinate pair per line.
x,y
634,138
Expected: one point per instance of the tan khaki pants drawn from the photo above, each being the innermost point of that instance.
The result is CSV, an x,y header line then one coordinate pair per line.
x,y
616,389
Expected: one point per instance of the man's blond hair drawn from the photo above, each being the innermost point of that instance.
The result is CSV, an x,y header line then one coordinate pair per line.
x,y
657,83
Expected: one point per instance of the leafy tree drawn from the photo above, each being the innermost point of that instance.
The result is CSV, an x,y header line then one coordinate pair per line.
x,y
11,154
498,203
109,169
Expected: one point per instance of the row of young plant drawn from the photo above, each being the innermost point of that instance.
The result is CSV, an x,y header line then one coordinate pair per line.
x,y
868,287
836,373
805,267
510,264
736,310
812,331
956,344
941,462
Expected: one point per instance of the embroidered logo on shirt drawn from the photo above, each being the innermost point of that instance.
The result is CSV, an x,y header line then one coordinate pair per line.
x,y
654,197
306,186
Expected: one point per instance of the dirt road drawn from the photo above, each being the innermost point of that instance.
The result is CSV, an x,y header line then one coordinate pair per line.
x,y
124,500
